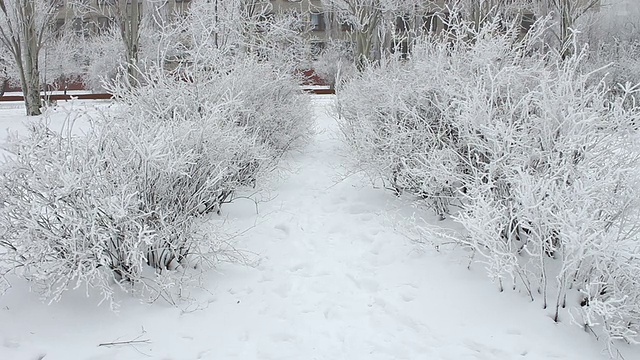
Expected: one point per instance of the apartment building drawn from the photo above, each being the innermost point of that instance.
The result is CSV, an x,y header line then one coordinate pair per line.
x,y
88,17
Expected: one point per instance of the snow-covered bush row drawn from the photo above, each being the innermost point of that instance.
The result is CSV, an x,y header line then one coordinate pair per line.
x,y
335,64
542,160
81,210
89,210
258,98
274,109
239,54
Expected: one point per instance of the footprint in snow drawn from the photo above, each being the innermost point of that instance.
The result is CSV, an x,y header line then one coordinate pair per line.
x,y
301,267
283,227
514,332
11,343
283,290
485,350
366,238
407,297
366,217
358,209
332,313
283,337
266,277
367,284
376,259
337,228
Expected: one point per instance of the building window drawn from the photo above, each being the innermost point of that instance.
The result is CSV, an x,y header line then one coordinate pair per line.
x,y
104,24
402,24
80,27
317,21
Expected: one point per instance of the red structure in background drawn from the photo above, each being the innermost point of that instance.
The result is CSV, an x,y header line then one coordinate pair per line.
x,y
61,84
61,97
311,77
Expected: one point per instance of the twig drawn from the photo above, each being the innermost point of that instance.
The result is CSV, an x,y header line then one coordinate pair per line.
x,y
129,342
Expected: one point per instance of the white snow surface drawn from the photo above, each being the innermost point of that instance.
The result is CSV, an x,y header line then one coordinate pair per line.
x,y
333,279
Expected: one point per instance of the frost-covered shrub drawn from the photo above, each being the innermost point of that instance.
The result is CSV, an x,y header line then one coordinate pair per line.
x,y
100,57
335,62
265,105
122,198
542,160
613,36
275,109
384,131
618,62
241,54
397,121
86,209
258,98
201,120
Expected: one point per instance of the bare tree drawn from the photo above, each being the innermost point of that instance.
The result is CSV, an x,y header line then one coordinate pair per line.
x,y
238,28
365,18
128,15
566,13
4,77
24,28
481,11
130,18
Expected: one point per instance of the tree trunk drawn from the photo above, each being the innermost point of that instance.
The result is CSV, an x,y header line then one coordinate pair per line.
x,y
134,40
31,89
3,87
363,50
31,78
130,32
365,37
566,22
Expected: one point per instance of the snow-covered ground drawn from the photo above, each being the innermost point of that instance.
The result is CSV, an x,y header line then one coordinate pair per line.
x,y
331,279
13,118
54,92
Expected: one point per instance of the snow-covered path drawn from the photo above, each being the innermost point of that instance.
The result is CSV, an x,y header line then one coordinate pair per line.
x,y
333,281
